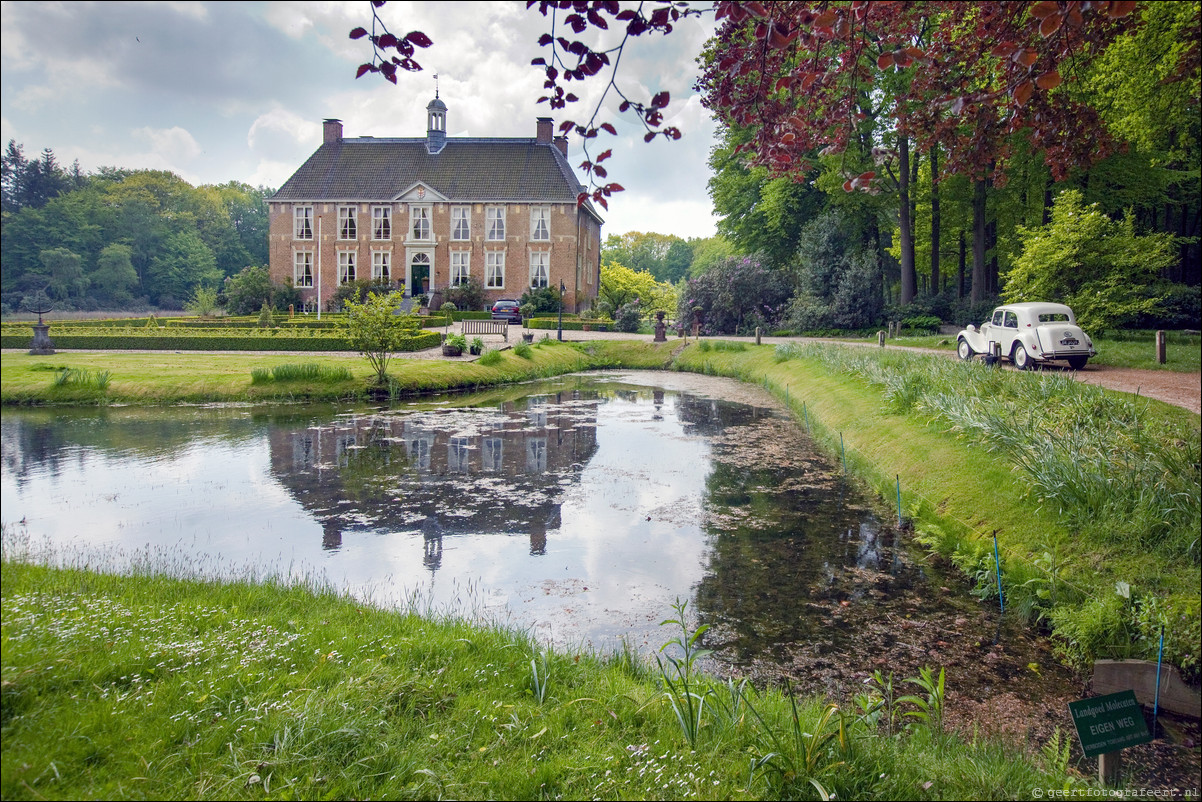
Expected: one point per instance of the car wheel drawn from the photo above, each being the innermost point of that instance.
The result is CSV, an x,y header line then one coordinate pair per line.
x,y
1077,362
964,350
1022,360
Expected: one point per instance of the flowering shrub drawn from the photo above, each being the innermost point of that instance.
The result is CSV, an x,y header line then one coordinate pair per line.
x,y
628,316
735,296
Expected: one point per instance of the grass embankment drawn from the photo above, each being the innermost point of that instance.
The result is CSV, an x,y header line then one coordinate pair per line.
x,y
1137,349
182,689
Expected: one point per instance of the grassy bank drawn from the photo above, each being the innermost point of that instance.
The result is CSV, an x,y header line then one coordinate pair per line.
x,y
165,688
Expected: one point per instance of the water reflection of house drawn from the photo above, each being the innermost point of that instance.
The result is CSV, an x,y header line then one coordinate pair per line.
x,y
501,470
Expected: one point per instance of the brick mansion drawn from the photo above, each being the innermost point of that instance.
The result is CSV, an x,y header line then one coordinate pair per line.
x,y
428,213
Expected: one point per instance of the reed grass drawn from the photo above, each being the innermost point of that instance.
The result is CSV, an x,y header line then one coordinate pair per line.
x,y
308,372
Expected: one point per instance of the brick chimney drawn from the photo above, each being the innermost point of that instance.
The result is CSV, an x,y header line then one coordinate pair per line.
x,y
561,142
331,131
543,130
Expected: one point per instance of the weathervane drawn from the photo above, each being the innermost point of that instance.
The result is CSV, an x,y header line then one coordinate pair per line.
x,y
435,86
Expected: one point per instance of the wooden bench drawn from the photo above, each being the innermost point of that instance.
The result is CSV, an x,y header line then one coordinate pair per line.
x,y
486,327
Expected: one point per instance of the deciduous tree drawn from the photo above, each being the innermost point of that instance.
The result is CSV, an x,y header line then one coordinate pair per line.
x,y
375,330
1099,267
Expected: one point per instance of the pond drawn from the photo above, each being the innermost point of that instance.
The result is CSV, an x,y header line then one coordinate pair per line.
x,y
578,510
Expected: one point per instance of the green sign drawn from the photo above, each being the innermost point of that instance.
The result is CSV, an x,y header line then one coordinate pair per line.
x,y
1109,723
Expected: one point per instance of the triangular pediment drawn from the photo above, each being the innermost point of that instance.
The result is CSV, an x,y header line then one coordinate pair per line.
x,y
420,193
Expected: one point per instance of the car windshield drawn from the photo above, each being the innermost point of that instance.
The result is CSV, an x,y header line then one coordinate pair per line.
x,y
1053,317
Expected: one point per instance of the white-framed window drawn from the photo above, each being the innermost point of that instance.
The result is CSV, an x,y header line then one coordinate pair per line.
x,y
536,455
381,265
494,218
540,269
419,223
458,454
348,223
381,222
460,267
461,223
302,222
418,447
492,453
494,269
346,266
540,223
302,269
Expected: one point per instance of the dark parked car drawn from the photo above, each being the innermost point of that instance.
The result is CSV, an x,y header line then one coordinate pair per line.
x,y
507,310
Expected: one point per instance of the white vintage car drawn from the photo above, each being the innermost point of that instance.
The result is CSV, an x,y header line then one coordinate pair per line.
x,y
1028,334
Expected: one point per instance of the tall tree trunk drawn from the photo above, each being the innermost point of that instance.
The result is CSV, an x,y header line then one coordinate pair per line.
x,y
977,295
1047,202
960,275
935,288
908,279
991,247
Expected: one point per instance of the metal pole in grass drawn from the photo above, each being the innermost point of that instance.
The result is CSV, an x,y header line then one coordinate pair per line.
x,y
899,511
806,414
998,563
1159,662
843,451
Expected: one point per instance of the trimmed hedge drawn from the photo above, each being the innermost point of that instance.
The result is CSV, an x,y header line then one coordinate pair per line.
x,y
568,325
228,340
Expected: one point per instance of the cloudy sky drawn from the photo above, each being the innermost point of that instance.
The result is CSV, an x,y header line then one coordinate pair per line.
x,y
236,91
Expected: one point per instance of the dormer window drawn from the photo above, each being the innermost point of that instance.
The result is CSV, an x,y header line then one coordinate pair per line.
x,y
494,217
302,222
348,227
419,223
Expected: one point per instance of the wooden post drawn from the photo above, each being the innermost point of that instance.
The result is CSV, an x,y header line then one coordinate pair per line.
x,y
880,338
1161,354
1110,764
757,335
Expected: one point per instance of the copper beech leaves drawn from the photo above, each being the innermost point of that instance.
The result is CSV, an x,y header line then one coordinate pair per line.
x,y
964,76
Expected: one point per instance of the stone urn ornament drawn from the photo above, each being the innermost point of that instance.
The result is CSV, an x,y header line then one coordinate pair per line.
x,y
661,328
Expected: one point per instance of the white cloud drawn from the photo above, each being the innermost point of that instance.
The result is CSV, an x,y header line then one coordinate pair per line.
x,y
171,145
279,123
269,173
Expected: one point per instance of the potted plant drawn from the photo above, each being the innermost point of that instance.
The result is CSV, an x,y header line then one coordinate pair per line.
x,y
454,345
477,346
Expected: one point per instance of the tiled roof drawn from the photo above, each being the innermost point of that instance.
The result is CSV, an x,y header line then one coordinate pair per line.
x,y
465,170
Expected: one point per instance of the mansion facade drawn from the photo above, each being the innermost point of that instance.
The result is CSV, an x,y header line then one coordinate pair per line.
x,y
426,214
